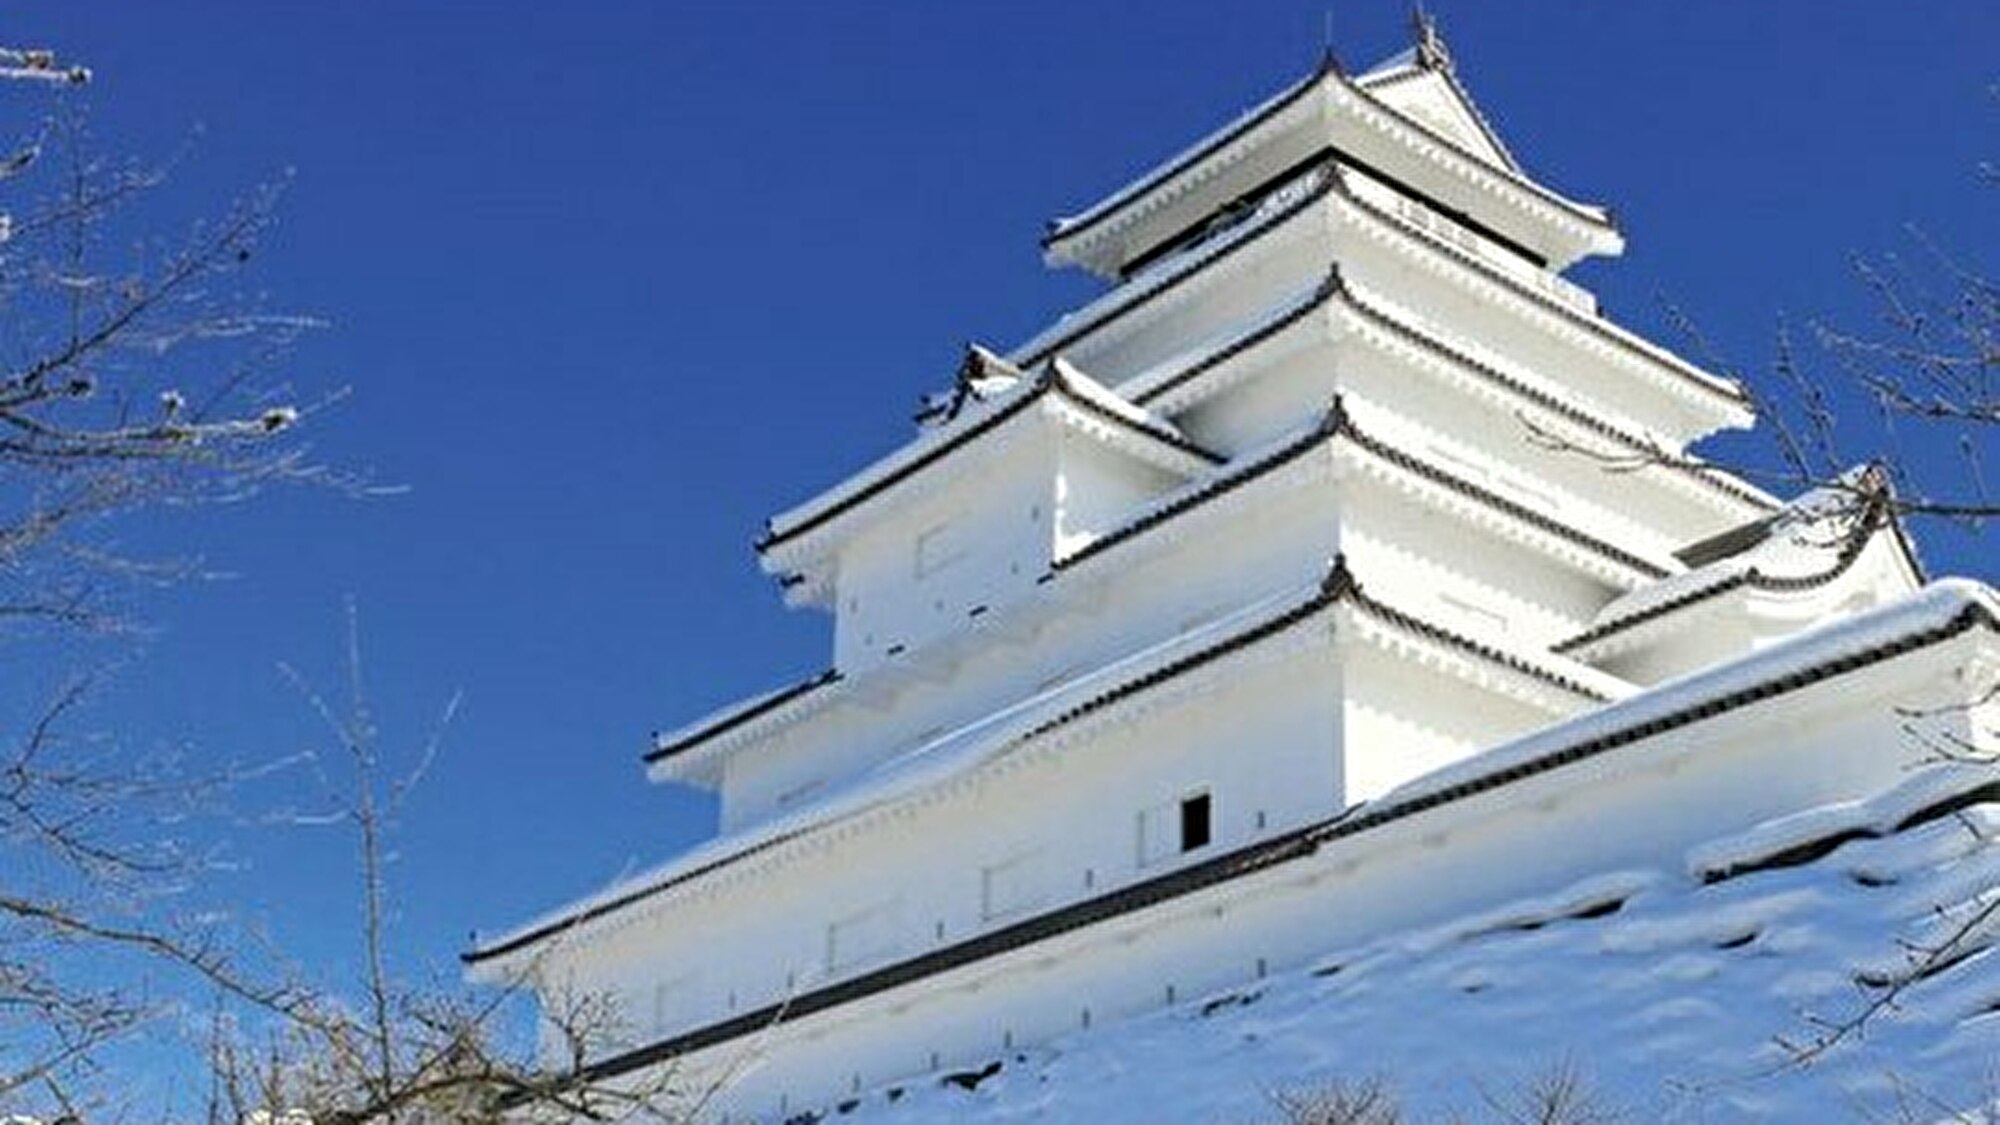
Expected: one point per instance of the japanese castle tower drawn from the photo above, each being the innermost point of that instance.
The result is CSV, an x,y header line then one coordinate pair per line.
x,y
1276,599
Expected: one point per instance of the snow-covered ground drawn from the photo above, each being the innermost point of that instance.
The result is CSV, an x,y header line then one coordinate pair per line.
x,y
1669,990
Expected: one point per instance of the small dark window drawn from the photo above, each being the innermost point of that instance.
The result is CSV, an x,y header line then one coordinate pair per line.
x,y
1194,822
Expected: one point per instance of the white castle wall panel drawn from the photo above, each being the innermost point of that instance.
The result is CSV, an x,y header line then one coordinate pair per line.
x,y
1455,303
914,573
1097,489
1528,841
1262,744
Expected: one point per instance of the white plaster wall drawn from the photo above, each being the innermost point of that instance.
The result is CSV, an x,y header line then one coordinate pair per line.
x,y
1213,562
1412,405
1229,293
1119,610
1743,621
1438,567
1453,303
1709,633
1261,742
1442,294
1404,721
1271,404
1097,489
1835,741
994,524
1249,173
1633,509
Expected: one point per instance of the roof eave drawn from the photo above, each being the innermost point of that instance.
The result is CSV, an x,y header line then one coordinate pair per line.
x,y
1057,399
1091,240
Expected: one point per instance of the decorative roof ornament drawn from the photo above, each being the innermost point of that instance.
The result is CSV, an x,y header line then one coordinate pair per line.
x,y
1432,54
1338,581
1329,63
980,375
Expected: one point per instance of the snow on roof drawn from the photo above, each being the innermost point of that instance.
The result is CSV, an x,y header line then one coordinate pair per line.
x,y
979,416
1327,76
1166,169
1929,817
1395,66
1812,539
1230,340
928,764
1877,814
1934,607
1331,177
1416,62
689,735
1268,211
1171,383
1662,996
1337,429
983,374
954,754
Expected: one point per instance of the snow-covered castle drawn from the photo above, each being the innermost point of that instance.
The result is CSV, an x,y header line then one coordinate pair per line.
x,y
1277,598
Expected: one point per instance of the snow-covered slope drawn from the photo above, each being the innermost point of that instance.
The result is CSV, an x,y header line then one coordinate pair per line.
x,y
1670,991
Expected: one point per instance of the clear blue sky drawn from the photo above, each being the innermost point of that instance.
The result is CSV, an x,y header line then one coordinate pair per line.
x,y
611,282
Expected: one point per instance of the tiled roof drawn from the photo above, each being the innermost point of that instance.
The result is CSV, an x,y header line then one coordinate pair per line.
x,y
1334,289
1328,70
685,740
1337,424
1874,515
1329,170
1053,380
1338,588
1266,854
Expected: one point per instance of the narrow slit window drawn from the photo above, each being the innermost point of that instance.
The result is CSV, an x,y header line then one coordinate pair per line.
x,y
1196,830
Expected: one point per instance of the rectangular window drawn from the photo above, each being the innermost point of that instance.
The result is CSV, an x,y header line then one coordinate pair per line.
x,y
1012,886
1194,822
1175,828
938,548
870,935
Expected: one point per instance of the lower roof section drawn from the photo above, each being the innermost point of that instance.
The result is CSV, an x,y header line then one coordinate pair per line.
x,y
962,752
1941,613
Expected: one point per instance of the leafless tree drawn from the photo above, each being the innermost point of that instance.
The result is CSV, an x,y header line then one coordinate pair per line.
x,y
1916,390
1341,1102
1559,1095
130,378
133,375
392,1050
1954,932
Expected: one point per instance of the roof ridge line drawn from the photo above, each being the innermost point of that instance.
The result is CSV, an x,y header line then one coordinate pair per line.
x,y
1298,843
1061,230
1337,422
1621,338
1336,586
1873,516
1050,379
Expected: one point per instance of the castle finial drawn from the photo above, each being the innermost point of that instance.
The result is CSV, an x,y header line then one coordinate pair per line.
x,y
970,368
1334,420
1332,283
1431,51
1339,580
1329,63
